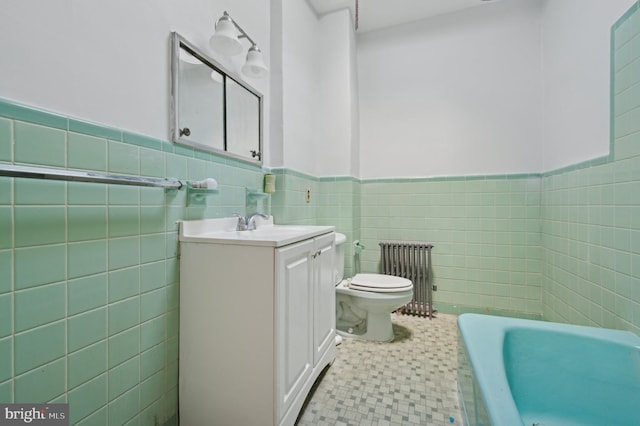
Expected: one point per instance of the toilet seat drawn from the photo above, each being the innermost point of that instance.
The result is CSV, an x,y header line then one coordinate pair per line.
x,y
378,283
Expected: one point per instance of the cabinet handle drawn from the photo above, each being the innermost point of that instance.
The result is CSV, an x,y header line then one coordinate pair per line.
x,y
316,254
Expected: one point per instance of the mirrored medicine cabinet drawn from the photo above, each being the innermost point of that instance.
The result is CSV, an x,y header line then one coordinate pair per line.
x,y
212,109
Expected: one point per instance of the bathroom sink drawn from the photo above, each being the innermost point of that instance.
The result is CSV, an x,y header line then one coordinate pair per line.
x,y
266,233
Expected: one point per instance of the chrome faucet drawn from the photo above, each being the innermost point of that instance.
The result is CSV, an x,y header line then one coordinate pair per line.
x,y
249,223
251,220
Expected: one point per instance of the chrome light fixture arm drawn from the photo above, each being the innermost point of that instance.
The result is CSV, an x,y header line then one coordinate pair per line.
x,y
243,33
226,40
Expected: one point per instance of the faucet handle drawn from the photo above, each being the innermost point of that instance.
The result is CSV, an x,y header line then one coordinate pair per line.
x,y
242,222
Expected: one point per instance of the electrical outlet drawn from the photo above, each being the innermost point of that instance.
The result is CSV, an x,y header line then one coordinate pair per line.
x,y
308,195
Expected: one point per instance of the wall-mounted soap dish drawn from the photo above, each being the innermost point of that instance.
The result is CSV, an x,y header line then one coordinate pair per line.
x,y
197,196
253,195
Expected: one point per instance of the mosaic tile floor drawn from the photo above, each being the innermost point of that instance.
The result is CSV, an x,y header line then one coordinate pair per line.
x,y
410,381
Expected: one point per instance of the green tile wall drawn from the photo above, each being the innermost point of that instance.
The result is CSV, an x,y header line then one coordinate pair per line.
x,y
89,276
591,214
485,232
340,200
333,201
289,201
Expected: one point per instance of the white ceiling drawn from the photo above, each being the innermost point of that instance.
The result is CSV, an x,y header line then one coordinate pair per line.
x,y
377,14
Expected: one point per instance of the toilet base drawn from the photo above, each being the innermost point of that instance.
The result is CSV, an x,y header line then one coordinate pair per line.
x,y
379,329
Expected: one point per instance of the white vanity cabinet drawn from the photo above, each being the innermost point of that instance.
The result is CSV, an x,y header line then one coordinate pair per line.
x,y
257,324
324,297
305,301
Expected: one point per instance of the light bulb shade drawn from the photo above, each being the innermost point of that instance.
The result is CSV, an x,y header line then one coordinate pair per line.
x,y
216,76
225,40
254,67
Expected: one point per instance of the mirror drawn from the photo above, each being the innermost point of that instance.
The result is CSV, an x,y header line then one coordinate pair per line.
x,y
212,109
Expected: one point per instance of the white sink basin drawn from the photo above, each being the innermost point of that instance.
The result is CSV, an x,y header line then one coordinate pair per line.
x,y
222,231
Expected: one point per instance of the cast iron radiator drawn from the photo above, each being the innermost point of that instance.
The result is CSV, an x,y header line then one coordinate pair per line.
x,y
412,261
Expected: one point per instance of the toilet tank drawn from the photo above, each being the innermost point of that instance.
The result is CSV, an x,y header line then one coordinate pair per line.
x,y
341,239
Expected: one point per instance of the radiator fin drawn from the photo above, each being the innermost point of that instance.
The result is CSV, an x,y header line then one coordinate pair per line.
x,y
411,260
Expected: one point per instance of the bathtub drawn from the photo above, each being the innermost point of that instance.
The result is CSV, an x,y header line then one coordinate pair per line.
x,y
525,372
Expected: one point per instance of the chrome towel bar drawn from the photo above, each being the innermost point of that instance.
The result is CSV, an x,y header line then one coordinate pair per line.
x,y
11,170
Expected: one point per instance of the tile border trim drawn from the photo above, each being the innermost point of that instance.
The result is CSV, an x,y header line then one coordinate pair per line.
x,y
20,112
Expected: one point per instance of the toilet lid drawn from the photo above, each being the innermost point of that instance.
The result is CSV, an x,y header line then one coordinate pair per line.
x,y
380,283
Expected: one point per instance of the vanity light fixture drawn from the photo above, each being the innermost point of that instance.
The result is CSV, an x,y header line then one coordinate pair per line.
x,y
227,41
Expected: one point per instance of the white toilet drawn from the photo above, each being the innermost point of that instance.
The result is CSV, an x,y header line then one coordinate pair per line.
x,y
364,303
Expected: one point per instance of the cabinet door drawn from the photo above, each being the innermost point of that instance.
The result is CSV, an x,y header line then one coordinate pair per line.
x,y
294,321
324,295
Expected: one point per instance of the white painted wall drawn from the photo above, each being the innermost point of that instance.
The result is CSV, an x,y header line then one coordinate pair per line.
x,y
576,49
301,74
457,94
355,105
336,97
275,155
515,86
108,62
317,90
